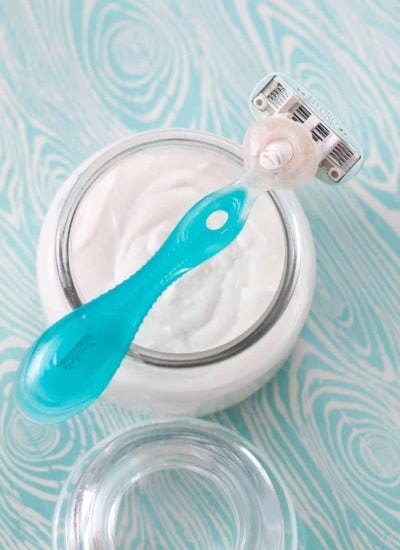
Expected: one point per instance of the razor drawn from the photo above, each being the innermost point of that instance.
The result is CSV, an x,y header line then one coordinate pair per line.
x,y
341,156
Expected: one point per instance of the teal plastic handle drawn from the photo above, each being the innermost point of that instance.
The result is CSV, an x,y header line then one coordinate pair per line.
x,y
73,361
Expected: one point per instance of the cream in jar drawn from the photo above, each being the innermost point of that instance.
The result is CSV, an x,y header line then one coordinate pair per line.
x,y
128,214
100,227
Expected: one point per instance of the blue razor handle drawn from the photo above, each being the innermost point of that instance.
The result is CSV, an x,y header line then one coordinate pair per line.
x,y
73,361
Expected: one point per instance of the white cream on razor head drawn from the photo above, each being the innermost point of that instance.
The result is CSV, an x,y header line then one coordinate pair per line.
x,y
281,152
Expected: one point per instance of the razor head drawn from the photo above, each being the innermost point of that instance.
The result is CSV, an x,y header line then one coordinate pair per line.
x,y
342,157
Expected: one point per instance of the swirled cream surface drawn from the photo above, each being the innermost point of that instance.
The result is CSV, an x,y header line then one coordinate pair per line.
x,y
125,217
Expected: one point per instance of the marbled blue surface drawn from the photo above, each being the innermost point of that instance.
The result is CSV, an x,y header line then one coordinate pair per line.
x,y
76,75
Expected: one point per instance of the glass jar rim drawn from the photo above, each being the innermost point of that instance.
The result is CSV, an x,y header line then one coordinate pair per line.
x,y
87,508
101,163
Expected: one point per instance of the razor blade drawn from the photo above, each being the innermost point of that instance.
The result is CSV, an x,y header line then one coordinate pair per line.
x,y
341,156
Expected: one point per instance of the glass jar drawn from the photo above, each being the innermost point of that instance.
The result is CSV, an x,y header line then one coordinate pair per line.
x,y
175,484
187,384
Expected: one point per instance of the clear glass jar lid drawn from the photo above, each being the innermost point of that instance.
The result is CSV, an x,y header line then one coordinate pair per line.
x,y
177,484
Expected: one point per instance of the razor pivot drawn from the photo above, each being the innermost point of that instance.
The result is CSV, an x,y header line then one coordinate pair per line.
x,y
341,155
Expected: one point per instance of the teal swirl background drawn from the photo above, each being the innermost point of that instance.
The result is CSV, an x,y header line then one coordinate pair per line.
x,y
76,75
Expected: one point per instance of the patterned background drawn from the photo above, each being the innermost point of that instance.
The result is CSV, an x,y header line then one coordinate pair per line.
x,y
76,75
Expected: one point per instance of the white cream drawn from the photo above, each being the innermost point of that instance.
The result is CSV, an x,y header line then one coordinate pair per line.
x,y
127,215
196,390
